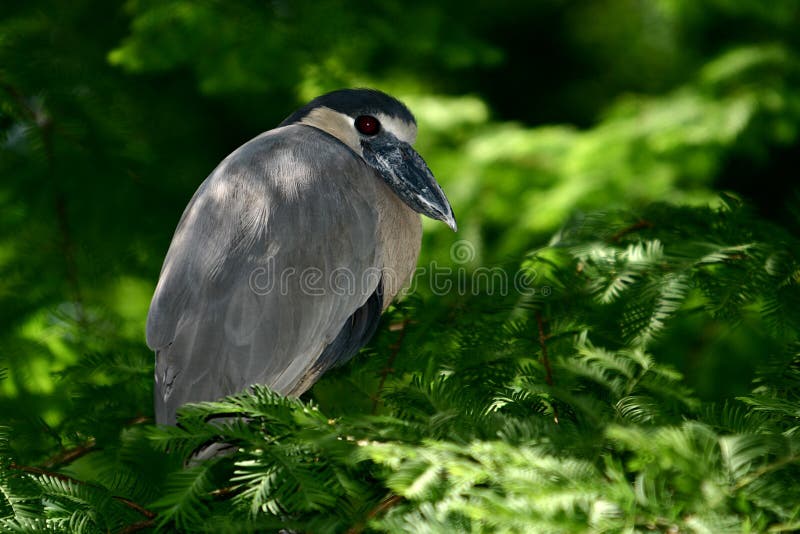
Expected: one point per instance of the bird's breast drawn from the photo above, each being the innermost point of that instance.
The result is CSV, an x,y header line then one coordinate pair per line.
x,y
399,239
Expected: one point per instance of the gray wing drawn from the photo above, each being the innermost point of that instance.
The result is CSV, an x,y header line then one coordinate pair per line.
x,y
272,272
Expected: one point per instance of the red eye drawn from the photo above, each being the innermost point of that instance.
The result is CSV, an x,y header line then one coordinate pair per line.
x,y
368,125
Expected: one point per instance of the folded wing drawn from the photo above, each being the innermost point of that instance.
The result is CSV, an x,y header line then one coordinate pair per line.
x,y
272,276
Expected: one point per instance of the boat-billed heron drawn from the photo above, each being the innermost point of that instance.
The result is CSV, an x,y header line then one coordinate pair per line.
x,y
288,253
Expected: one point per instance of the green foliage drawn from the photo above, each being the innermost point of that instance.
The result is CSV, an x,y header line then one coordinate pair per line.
x,y
549,413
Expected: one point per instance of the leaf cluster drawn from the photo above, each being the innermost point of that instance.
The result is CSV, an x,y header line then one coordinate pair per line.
x,y
547,411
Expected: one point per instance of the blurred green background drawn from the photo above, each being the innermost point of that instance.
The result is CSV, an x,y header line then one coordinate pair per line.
x,y
111,114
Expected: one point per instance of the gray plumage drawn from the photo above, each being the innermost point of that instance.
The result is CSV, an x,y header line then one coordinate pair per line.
x,y
280,267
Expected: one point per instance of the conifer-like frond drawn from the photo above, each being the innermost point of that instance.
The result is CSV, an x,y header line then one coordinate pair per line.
x,y
563,412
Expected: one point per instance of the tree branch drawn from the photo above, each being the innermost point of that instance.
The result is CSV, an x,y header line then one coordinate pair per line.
x,y
135,506
44,124
548,370
387,503
758,473
390,361
136,527
66,456
60,476
638,225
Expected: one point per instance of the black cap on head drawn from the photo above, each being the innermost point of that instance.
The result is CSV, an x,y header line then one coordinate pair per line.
x,y
355,102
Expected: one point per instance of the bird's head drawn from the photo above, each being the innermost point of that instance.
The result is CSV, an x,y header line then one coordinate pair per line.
x,y
380,129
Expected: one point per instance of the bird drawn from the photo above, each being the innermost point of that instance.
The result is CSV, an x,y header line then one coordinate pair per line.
x,y
290,250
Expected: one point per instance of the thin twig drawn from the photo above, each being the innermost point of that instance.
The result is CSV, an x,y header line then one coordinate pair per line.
x,y
548,370
66,478
39,471
35,117
134,506
68,250
786,460
638,225
44,124
384,505
66,456
381,508
15,94
223,493
138,420
389,362
136,527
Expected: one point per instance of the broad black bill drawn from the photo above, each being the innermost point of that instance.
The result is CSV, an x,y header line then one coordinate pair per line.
x,y
409,177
